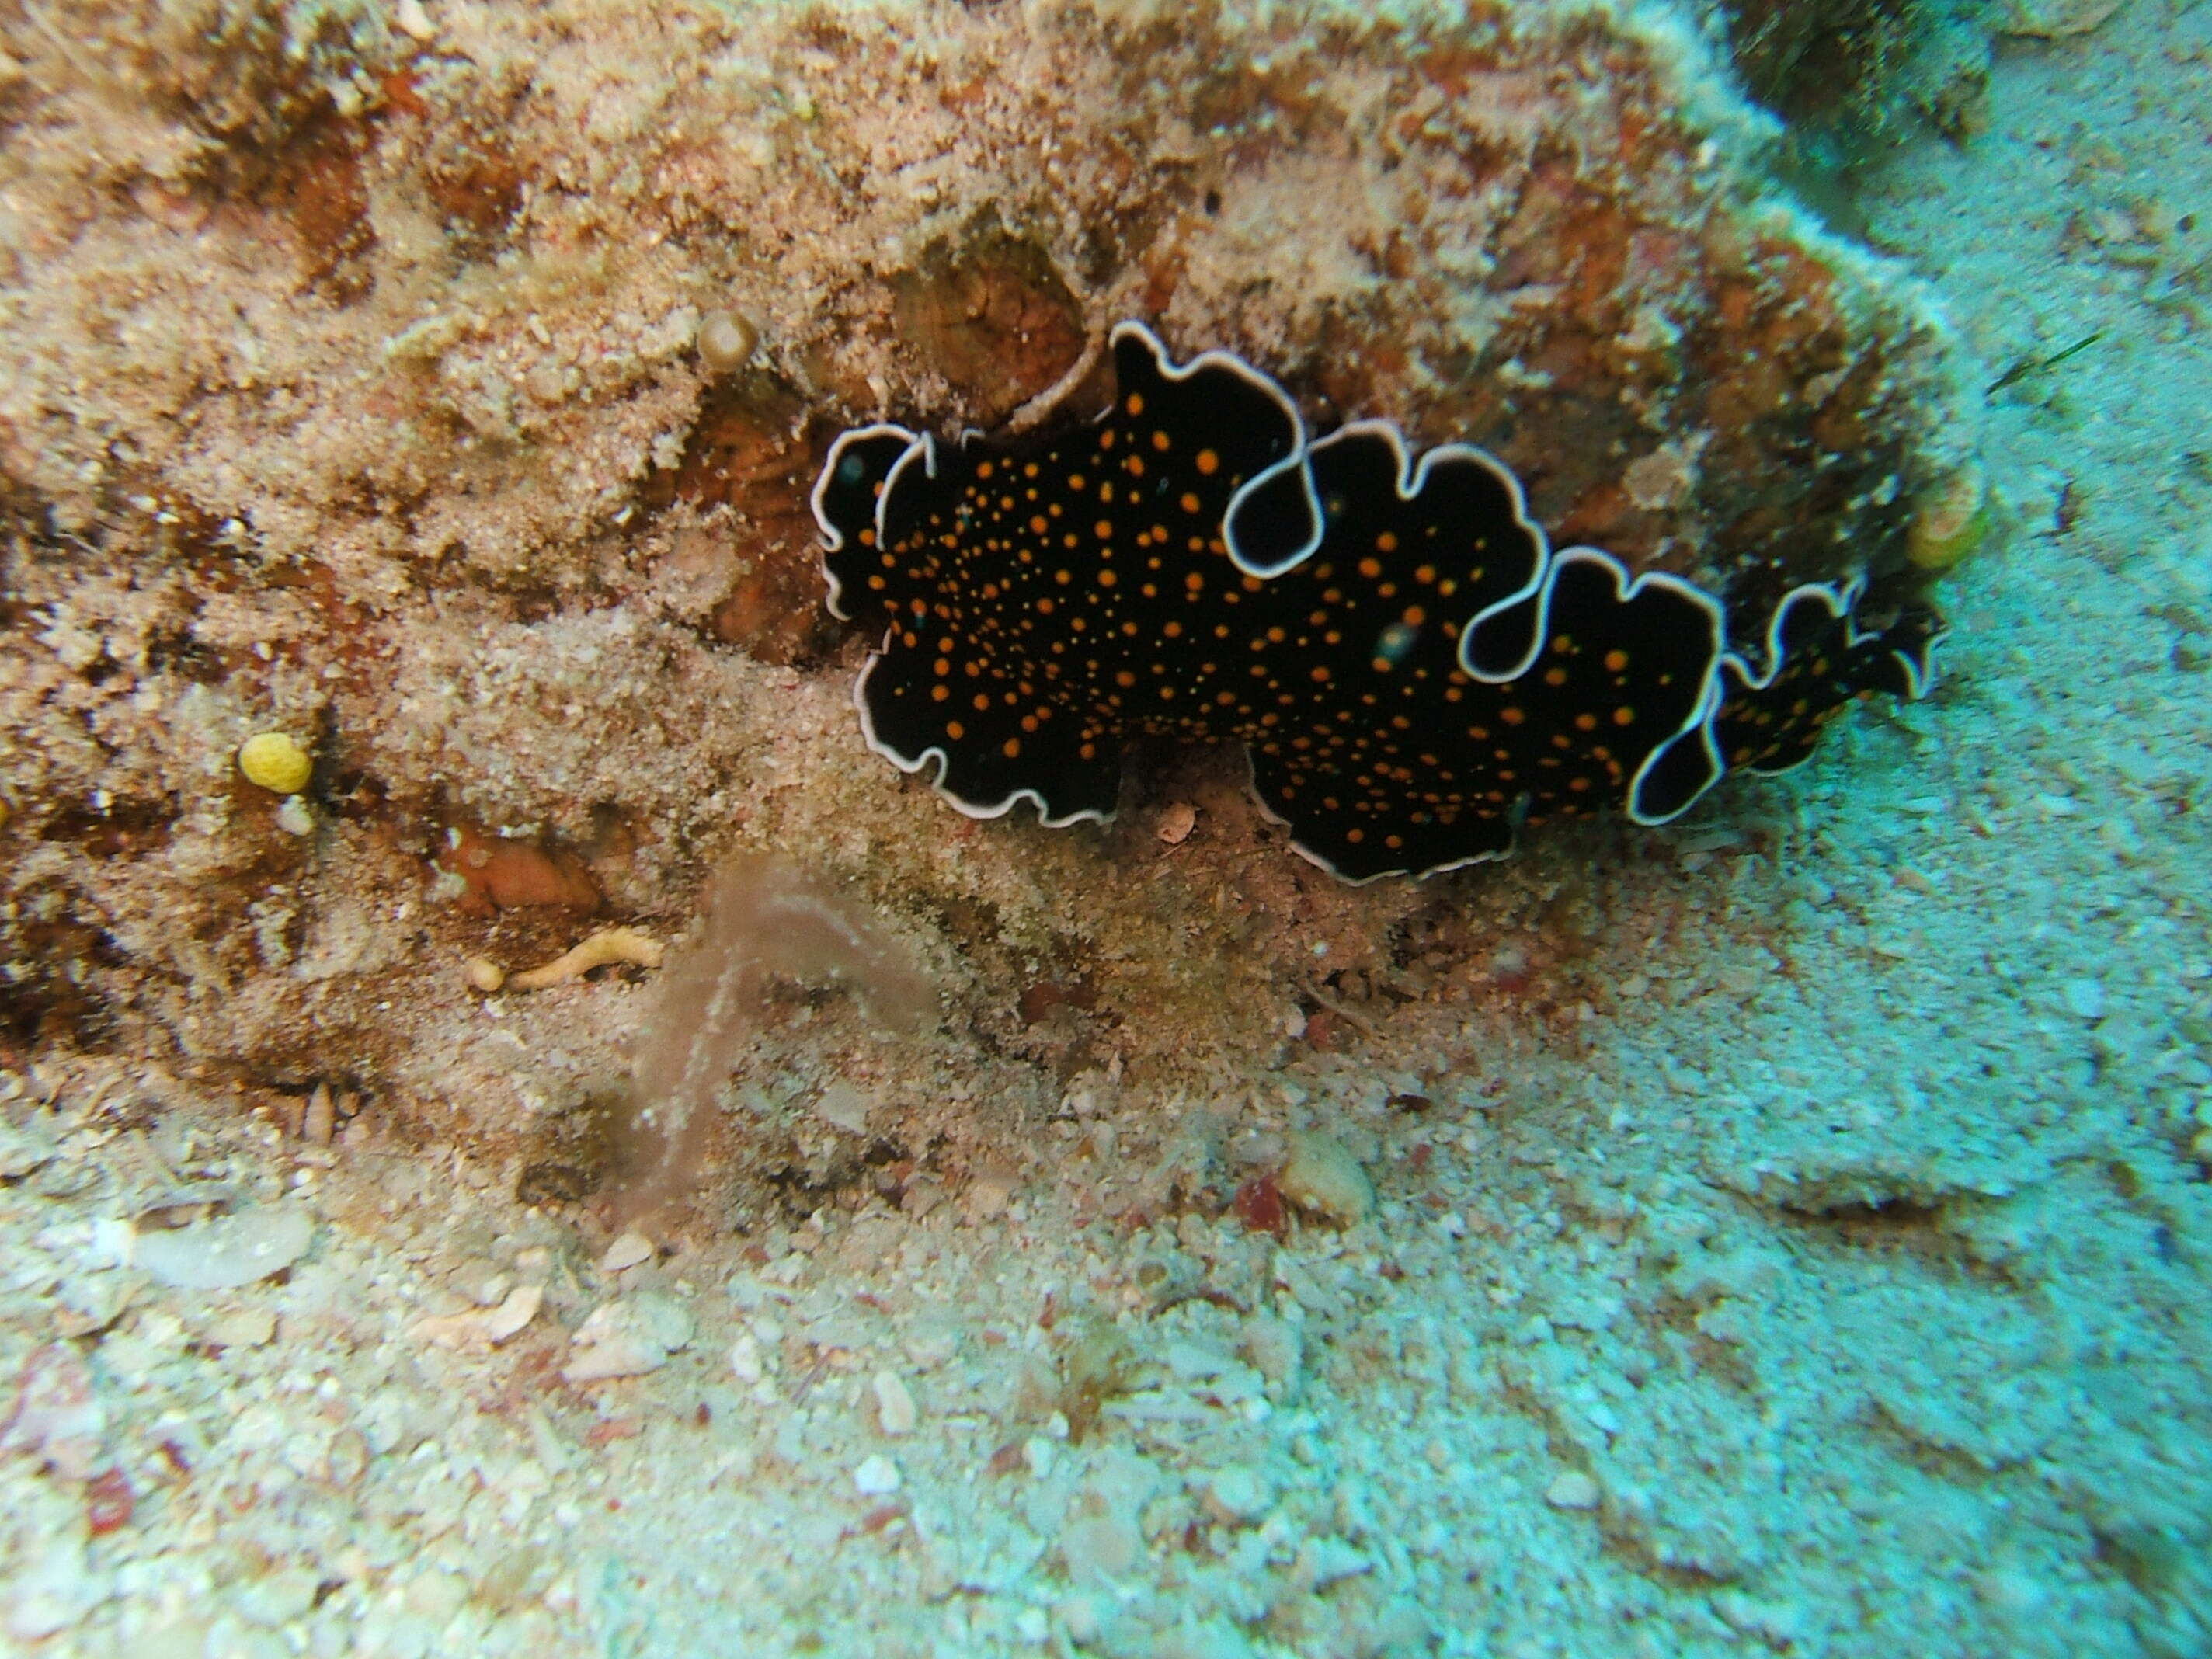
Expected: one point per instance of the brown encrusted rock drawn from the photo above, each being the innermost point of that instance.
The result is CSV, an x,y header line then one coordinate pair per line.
x,y
751,452
355,392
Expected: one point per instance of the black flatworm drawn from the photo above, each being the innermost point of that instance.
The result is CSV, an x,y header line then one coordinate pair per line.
x,y
1413,671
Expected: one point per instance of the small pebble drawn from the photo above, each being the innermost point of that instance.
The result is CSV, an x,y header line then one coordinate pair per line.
x,y
1324,1561
844,1107
1237,1493
628,1251
241,1327
876,1477
276,1598
276,762
1096,1547
484,973
1039,1454
2085,998
294,816
895,1407
1572,1491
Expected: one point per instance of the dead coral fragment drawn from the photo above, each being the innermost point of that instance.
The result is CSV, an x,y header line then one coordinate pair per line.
x,y
764,920
607,945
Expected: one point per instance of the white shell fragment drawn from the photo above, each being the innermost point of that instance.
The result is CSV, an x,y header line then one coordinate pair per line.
x,y
1322,1178
475,1328
843,1106
628,1251
225,1252
628,1336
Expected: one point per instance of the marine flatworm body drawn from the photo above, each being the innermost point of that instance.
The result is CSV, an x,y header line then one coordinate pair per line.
x,y
1414,671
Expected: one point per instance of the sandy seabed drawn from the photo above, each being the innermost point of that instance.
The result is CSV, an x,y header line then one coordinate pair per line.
x,y
1791,1237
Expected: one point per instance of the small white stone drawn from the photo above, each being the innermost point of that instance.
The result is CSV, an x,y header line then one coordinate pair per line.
x,y
895,1407
1325,1561
1039,1453
53,1593
1194,1362
438,1596
1780,1625
628,1251
240,1327
1572,1491
1100,1548
745,1358
294,816
2085,998
988,1196
23,1150
876,1477
277,1598
1237,1493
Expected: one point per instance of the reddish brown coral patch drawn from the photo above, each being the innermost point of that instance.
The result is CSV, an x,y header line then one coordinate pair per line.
x,y
107,1503
1041,999
497,873
992,317
317,184
1259,1204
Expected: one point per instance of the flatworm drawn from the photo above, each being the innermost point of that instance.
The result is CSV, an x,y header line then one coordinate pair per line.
x,y
1414,673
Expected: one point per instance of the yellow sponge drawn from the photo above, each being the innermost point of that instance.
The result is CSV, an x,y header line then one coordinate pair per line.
x,y
276,760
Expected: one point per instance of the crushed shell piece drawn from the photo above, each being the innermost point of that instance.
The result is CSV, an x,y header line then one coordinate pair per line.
x,y
482,1326
626,1252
